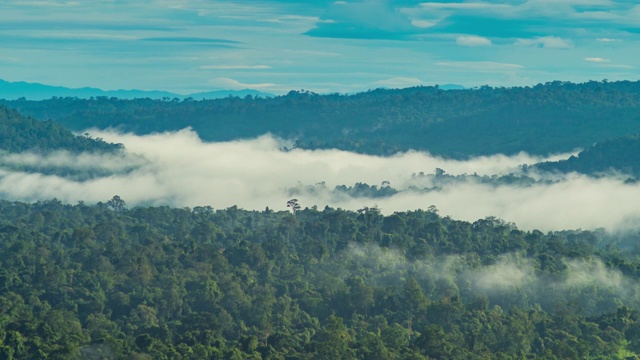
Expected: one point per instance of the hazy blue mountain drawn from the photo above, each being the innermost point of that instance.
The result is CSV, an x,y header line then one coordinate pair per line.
x,y
35,91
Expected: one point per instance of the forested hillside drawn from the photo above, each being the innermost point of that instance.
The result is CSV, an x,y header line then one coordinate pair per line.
x,y
19,133
547,118
621,155
108,282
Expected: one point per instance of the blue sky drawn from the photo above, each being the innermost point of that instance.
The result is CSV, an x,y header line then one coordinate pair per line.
x,y
275,46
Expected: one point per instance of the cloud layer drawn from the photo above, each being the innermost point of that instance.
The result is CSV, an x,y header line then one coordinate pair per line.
x,y
322,46
180,170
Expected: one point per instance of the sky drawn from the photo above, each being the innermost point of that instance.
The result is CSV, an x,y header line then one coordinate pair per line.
x,y
180,170
275,46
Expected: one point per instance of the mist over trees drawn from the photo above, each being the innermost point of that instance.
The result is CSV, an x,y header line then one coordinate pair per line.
x,y
108,281
115,281
547,118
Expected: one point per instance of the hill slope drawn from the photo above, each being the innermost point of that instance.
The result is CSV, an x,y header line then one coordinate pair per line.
x,y
19,133
89,282
547,118
620,155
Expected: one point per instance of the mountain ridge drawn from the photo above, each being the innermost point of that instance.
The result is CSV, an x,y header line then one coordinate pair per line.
x,y
621,155
550,118
37,91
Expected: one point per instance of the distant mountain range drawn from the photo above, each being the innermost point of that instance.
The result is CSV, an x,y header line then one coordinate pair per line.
x,y
35,91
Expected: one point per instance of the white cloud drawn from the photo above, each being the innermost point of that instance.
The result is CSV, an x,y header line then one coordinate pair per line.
x,y
288,19
551,42
602,62
465,6
10,59
422,23
83,36
232,84
618,66
370,16
180,170
577,202
48,3
52,44
511,280
472,41
579,280
480,65
312,53
398,82
507,272
235,67
597,59
582,273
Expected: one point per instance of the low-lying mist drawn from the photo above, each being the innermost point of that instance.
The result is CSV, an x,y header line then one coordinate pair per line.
x,y
588,284
178,169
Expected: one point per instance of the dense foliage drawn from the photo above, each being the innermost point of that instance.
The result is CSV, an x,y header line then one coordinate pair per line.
x,y
108,282
19,133
621,155
546,118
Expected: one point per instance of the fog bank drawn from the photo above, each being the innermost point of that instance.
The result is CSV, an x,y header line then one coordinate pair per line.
x,y
511,280
178,169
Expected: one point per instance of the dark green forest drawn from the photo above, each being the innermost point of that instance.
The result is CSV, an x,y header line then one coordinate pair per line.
x,y
546,118
110,282
620,155
19,133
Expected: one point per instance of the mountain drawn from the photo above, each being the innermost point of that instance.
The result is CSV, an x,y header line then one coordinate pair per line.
x,y
544,119
35,91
